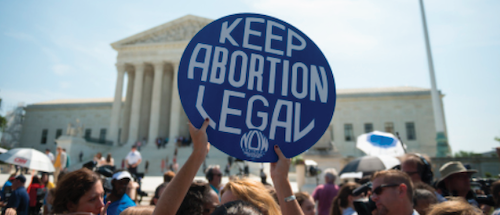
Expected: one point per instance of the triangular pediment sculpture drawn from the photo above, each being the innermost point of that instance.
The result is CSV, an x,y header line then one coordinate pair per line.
x,y
181,29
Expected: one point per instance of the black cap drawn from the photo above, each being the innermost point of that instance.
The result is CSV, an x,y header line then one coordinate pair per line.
x,y
21,178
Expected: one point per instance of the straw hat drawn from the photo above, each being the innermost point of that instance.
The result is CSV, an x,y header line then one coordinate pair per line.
x,y
453,167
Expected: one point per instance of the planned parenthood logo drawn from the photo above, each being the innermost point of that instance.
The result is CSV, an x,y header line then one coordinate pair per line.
x,y
261,82
254,144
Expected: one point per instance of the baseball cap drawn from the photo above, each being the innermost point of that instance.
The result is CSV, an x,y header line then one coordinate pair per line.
x,y
21,178
121,175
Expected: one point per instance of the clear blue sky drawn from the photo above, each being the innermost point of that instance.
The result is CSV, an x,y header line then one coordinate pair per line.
x,y
60,49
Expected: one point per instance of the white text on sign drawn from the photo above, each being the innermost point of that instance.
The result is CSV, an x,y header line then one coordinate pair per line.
x,y
215,64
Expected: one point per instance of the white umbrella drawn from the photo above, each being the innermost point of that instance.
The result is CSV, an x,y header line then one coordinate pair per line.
x,y
349,175
380,143
29,158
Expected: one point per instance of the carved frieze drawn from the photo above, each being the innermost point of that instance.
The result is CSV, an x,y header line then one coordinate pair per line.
x,y
178,32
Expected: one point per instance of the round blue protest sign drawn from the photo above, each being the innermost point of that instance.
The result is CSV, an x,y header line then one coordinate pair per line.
x,y
262,82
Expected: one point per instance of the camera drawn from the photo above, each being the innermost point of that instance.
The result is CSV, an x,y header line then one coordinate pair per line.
x,y
363,206
483,184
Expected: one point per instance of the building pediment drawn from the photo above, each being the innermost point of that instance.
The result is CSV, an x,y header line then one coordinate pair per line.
x,y
181,29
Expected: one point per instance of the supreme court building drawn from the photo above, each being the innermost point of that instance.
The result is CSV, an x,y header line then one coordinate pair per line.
x,y
147,67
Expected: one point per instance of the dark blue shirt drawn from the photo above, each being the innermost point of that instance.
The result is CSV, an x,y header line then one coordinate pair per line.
x,y
19,200
115,208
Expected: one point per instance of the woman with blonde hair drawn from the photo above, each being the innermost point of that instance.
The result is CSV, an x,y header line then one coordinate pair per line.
x,y
343,203
172,198
251,191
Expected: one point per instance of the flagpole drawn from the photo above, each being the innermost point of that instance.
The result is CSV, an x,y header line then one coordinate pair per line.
x,y
441,139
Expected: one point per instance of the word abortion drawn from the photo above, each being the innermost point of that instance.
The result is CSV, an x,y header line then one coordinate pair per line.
x,y
255,75
242,69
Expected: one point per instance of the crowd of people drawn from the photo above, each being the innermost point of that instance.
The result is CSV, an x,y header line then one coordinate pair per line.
x,y
409,190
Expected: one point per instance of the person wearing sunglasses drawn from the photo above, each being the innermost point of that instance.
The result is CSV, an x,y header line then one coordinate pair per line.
x,y
392,192
214,177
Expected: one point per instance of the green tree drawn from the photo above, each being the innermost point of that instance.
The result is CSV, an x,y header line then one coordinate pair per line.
x,y
3,120
3,123
465,154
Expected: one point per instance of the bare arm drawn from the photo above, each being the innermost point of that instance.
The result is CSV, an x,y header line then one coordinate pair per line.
x,y
10,211
173,194
137,164
279,174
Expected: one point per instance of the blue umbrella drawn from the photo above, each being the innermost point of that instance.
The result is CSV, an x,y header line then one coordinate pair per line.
x,y
380,143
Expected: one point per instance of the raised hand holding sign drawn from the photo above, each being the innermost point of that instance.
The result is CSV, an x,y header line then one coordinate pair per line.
x,y
261,82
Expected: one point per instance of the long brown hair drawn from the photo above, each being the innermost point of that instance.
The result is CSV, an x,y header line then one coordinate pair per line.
x,y
72,187
342,200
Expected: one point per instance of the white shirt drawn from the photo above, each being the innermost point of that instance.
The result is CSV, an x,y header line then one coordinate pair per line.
x,y
51,156
133,157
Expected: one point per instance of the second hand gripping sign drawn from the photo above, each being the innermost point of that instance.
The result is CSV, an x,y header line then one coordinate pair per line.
x,y
261,82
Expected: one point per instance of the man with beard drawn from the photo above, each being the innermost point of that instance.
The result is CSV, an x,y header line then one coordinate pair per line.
x,y
118,197
392,192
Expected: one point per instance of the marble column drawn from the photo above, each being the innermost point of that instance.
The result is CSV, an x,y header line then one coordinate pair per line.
x,y
127,109
117,104
166,101
136,103
154,119
176,107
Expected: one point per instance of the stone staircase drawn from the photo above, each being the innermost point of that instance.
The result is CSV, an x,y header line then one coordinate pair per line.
x,y
151,154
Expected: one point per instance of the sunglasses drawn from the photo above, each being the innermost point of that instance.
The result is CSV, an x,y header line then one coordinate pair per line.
x,y
380,188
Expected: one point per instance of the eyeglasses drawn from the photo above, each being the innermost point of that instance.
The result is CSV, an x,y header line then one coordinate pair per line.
x,y
380,188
